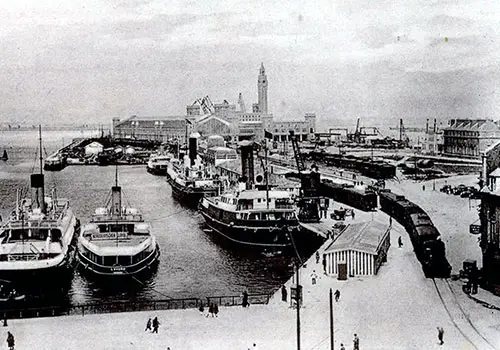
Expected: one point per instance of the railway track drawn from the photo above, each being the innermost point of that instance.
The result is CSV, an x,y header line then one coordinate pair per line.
x,y
459,317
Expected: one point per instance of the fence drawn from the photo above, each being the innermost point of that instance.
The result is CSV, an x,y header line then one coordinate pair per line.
x,y
128,306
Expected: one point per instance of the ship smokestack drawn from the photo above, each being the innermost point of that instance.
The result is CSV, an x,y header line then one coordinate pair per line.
x,y
116,200
247,167
427,126
435,126
193,148
38,191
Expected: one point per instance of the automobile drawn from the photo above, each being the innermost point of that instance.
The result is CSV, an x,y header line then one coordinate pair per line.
x,y
465,194
446,189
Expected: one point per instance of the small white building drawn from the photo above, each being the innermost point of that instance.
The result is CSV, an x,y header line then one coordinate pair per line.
x,y
359,250
93,148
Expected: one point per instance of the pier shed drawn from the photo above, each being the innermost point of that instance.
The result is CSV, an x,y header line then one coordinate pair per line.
x,y
93,148
359,250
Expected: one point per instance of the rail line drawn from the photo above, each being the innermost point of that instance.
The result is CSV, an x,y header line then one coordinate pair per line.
x,y
456,313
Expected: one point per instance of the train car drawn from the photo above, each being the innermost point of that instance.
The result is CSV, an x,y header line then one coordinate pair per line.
x,y
356,197
426,239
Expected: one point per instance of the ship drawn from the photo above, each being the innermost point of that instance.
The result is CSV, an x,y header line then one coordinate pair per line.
x,y
55,162
256,215
192,179
117,241
5,156
158,163
37,239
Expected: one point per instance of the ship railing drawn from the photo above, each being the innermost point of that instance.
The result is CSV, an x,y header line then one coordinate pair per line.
x,y
20,310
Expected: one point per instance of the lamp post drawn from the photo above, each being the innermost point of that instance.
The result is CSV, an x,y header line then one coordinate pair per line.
x,y
297,298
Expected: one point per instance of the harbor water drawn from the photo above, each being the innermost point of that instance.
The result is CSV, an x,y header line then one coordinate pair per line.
x,y
192,263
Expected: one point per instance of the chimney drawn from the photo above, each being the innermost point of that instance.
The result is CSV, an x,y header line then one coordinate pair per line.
x,y
193,149
38,192
116,200
247,167
435,126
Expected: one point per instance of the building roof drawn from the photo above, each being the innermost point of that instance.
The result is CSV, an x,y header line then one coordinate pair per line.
x,y
471,124
168,121
495,173
364,237
94,144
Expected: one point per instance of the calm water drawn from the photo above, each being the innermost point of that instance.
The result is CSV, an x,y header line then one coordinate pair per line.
x,y
191,263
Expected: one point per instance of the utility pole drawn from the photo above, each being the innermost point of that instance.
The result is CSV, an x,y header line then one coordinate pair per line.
x,y
331,320
297,298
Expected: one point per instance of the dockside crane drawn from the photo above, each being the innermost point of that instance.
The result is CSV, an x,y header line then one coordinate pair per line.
x,y
309,201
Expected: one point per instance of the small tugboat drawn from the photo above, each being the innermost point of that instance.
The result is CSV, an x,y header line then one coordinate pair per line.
x,y
117,241
5,156
37,238
256,216
55,162
190,179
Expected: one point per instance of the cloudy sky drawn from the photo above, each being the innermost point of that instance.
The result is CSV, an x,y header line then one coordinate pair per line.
x,y
74,61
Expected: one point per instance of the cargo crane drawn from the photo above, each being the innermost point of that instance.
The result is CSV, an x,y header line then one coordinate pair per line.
x,y
309,202
404,140
206,105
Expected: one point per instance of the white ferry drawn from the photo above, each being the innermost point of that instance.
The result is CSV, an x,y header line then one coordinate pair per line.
x,y
117,241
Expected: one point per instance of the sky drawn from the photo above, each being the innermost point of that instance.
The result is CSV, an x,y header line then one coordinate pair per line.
x,y
89,61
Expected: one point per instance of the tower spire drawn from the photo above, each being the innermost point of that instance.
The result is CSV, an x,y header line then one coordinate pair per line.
x,y
262,89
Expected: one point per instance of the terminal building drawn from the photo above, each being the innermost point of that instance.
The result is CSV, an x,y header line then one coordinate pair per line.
x,y
489,216
232,121
469,137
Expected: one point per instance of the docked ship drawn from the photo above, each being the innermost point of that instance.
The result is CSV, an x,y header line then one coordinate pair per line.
x,y
55,162
158,163
191,179
117,241
37,238
256,216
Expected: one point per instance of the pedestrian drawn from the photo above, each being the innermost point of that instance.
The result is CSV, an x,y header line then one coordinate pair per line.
x,y
313,277
353,214
156,324
202,308
317,257
400,242
148,325
253,347
342,346
245,302
356,342
423,187
211,310
284,293
216,309
440,335
390,221
10,341
324,263
337,295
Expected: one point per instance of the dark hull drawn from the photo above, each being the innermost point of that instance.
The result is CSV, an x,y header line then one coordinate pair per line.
x,y
190,196
157,171
54,167
288,239
143,267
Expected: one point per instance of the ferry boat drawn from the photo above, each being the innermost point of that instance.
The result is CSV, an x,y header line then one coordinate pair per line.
x,y
37,238
255,218
55,162
158,163
191,179
117,241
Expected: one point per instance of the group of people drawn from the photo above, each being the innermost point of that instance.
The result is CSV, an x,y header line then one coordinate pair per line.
x,y
355,343
213,310
154,323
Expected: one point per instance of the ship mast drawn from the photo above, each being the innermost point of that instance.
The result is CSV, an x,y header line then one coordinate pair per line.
x,y
41,155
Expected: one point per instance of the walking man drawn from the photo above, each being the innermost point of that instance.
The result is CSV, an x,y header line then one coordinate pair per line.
x,y
342,346
156,324
245,302
317,257
313,277
440,335
10,341
390,221
356,342
337,295
284,293
148,325
400,242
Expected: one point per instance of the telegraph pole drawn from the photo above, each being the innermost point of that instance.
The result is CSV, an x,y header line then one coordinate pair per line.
x,y
297,298
331,320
